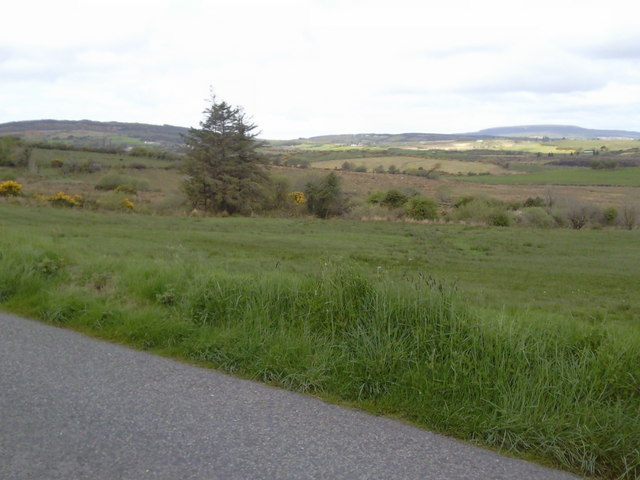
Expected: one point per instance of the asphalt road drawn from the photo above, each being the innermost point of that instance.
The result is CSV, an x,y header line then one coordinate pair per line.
x,y
72,407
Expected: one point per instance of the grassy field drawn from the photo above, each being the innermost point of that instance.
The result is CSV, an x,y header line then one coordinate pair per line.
x,y
568,176
157,182
43,158
572,144
531,146
523,146
521,339
408,163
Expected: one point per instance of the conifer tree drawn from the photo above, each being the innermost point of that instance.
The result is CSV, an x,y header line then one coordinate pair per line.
x,y
225,172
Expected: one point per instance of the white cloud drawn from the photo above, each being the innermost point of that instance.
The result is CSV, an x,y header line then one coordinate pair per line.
x,y
303,68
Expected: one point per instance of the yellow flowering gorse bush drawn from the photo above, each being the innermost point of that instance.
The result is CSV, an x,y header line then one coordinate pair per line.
x,y
61,199
297,198
10,189
127,204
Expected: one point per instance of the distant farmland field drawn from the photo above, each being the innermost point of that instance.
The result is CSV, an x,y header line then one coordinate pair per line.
x,y
408,163
567,176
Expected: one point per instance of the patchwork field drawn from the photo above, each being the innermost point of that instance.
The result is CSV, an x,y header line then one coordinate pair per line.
x,y
629,176
408,163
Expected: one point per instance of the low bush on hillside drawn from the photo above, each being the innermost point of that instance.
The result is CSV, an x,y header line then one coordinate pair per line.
x,y
609,215
115,202
481,209
580,214
375,198
62,199
10,188
325,197
73,166
394,199
536,217
113,180
422,208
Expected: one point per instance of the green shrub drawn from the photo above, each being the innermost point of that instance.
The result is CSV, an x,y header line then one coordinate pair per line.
x,y
8,146
422,208
376,198
486,210
534,202
610,215
348,166
394,199
113,201
500,219
536,217
558,217
112,181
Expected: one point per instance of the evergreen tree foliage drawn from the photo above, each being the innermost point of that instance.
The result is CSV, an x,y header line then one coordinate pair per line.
x,y
225,172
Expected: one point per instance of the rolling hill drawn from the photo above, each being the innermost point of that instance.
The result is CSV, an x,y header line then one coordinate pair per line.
x,y
88,132
554,131
522,131
83,132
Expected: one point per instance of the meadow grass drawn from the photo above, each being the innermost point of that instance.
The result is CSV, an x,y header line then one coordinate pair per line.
x,y
365,313
409,162
587,144
629,176
43,158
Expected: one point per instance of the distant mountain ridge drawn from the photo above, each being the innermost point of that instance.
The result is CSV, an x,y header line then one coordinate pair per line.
x,y
170,136
520,131
554,131
89,131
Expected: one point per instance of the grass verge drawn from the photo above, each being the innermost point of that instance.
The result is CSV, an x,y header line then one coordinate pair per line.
x,y
558,388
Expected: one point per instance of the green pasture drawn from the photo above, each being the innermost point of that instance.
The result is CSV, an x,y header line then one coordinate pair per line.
x,y
629,176
549,271
609,144
123,139
411,162
497,144
520,339
338,147
522,146
43,158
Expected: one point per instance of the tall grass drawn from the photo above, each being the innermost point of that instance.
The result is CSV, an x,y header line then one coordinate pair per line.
x,y
567,392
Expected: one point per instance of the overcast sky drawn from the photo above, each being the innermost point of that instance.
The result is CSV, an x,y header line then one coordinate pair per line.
x,y
313,67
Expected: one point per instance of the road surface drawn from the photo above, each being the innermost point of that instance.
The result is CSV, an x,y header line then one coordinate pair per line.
x,y
73,407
